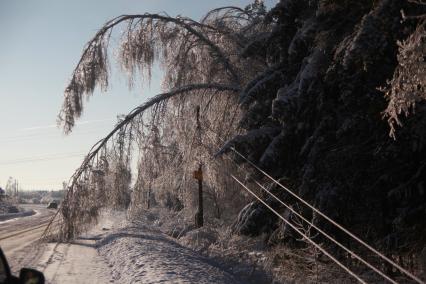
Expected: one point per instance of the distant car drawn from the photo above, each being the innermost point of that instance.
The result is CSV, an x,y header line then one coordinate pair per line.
x,y
52,205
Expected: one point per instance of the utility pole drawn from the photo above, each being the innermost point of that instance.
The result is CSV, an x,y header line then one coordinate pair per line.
x,y
198,175
148,196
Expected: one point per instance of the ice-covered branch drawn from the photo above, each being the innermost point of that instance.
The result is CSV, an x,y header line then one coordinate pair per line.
x,y
139,110
147,35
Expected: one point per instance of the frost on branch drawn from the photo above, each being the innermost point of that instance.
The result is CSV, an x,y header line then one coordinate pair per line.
x,y
331,141
188,51
202,66
308,80
408,85
92,72
103,179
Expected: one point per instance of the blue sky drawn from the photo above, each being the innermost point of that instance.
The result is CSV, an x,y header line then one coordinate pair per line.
x,y
40,43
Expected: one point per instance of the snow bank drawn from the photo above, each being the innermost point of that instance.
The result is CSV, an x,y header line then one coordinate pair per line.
x,y
9,211
6,208
137,253
142,250
4,217
159,246
243,256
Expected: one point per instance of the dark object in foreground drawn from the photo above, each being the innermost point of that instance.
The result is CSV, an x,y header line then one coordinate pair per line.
x,y
26,275
52,205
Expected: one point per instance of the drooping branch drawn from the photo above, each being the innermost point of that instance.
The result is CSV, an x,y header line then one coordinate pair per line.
x,y
140,48
207,52
182,22
71,226
227,8
140,109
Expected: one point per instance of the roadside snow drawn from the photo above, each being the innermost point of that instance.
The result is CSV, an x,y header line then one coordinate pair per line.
x,y
139,254
79,260
7,207
142,250
120,251
12,216
243,257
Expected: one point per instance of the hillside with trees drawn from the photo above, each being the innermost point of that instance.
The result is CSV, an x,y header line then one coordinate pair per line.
x,y
327,97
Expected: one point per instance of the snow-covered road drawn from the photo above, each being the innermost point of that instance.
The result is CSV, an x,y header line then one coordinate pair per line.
x,y
18,237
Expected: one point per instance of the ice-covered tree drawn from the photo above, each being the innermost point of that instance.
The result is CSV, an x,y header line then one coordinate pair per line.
x,y
204,64
309,84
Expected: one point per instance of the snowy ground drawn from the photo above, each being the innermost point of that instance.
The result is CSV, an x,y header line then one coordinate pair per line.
x,y
77,262
139,254
119,251
140,250
243,257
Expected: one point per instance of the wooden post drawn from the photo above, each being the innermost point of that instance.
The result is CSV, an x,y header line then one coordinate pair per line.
x,y
199,216
198,175
148,199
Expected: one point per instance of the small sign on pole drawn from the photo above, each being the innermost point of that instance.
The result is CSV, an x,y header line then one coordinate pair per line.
x,y
198,175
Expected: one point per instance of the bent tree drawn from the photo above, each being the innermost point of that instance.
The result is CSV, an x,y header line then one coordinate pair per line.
x,y
301,90
203,63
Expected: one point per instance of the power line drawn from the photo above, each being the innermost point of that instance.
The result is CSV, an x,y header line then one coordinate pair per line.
x,y
333,222
315,227
327,235
318,229
84,122
400,268
42,158
42,135
44,179
301,233
38,134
